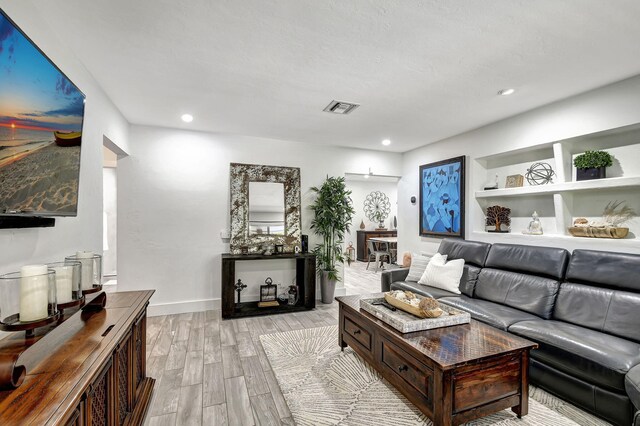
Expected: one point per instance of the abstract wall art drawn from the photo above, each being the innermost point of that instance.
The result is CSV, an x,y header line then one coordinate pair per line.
x,y
442,198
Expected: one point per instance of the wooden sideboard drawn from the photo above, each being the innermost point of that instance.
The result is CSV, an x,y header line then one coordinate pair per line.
x,y
90,370
363,237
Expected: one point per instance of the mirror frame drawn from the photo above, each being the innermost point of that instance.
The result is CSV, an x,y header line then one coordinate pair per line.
x,y
240,176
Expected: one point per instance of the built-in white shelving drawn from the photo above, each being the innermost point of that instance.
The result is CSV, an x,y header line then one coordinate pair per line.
x,y
557,188
562,240
558,203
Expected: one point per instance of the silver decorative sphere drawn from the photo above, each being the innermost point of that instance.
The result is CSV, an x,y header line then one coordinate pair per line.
x,y
540,174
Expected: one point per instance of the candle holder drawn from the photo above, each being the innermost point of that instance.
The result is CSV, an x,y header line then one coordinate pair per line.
x,y
28,299
91,271
68,291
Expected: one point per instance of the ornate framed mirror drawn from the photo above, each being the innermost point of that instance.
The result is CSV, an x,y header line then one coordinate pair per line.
x,y
265,207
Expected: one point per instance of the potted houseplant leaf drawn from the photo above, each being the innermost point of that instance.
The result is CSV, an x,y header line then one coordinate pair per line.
x,y
333,212
592,165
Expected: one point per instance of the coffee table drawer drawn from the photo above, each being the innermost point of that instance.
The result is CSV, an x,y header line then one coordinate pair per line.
x,y
357,332
412,371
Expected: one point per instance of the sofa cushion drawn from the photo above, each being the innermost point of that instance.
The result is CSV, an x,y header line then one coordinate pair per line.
x,y
617,270
442,274
473,252
418,265
528,293
421,289
496,315
590,355
610,311
632,385
543,261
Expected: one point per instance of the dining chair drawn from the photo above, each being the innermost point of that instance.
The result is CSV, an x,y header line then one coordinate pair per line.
x,y
378,254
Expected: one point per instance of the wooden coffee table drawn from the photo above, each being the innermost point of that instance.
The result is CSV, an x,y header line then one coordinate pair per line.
x,y
452,374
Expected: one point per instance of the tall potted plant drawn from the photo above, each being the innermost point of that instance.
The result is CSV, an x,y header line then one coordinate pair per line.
x,y
592,165
333,212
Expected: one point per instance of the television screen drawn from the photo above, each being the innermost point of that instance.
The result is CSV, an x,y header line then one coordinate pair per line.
x,y
41,113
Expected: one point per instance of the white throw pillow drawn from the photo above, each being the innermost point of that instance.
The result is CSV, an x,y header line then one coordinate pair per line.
x,y
419,264
443,275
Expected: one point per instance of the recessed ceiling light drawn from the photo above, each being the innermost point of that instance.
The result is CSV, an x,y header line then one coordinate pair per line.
x,y
506,92
187,118
386,142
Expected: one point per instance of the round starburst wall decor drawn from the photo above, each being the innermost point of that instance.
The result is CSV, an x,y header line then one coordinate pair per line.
x,y
377,207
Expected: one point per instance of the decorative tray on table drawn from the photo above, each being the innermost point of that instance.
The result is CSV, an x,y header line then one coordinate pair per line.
x,y
405,322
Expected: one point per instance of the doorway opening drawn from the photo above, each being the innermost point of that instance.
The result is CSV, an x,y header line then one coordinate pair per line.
x,y
111,155
373,229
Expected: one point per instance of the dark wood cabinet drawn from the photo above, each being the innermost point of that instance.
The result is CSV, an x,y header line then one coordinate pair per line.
x,y
100,398
76,418
362,251
123,364
139,359
90,371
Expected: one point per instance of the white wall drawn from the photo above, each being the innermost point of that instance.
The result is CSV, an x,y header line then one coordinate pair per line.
x,y
176,202
84,232
608,107
359,192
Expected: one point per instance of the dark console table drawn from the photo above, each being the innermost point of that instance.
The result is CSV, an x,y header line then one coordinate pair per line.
x,y
363,238
305,279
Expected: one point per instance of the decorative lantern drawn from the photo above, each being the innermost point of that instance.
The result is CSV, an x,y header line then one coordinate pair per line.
x,y
68,291
28,299
293,295
91,275
351,252
268,294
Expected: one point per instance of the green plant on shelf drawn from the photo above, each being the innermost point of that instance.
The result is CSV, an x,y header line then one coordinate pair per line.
x,y
593,160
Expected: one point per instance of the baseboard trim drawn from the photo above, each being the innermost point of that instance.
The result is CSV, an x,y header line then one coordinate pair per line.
x,y
183,307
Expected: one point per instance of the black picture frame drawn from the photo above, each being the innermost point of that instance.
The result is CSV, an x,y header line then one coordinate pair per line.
x,y
442,194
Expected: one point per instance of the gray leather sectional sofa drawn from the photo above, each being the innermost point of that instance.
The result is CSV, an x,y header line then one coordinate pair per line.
x,y
583,309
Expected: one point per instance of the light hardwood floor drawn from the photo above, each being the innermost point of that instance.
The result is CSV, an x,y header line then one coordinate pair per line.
x,y
211,371
360,280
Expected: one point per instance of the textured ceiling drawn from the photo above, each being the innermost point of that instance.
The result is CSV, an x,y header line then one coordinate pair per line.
x,y
421,70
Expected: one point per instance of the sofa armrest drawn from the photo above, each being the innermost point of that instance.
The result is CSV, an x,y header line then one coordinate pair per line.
x,y
392,276
636,419
632,385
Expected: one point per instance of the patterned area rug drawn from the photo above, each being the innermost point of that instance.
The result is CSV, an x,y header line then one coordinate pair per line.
x,y
324,386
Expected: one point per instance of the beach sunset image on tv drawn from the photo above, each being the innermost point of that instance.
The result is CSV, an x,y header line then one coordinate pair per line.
x,y
41,113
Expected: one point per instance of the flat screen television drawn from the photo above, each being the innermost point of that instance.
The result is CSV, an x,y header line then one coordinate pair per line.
x,y
41,116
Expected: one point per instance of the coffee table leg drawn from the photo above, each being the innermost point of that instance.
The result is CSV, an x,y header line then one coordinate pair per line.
x,y
522,409
442,398
341,342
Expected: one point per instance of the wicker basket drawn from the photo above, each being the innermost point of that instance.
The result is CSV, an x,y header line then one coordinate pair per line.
x,y
591,232
412,309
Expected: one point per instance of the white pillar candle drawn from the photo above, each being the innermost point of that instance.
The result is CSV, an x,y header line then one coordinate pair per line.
x,y
34,289
86,258
64,284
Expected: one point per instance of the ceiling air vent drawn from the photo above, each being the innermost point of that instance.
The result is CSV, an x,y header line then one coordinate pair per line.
x,y
339,107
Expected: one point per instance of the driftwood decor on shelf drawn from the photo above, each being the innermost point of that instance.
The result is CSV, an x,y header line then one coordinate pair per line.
x,y
615,214
591,232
